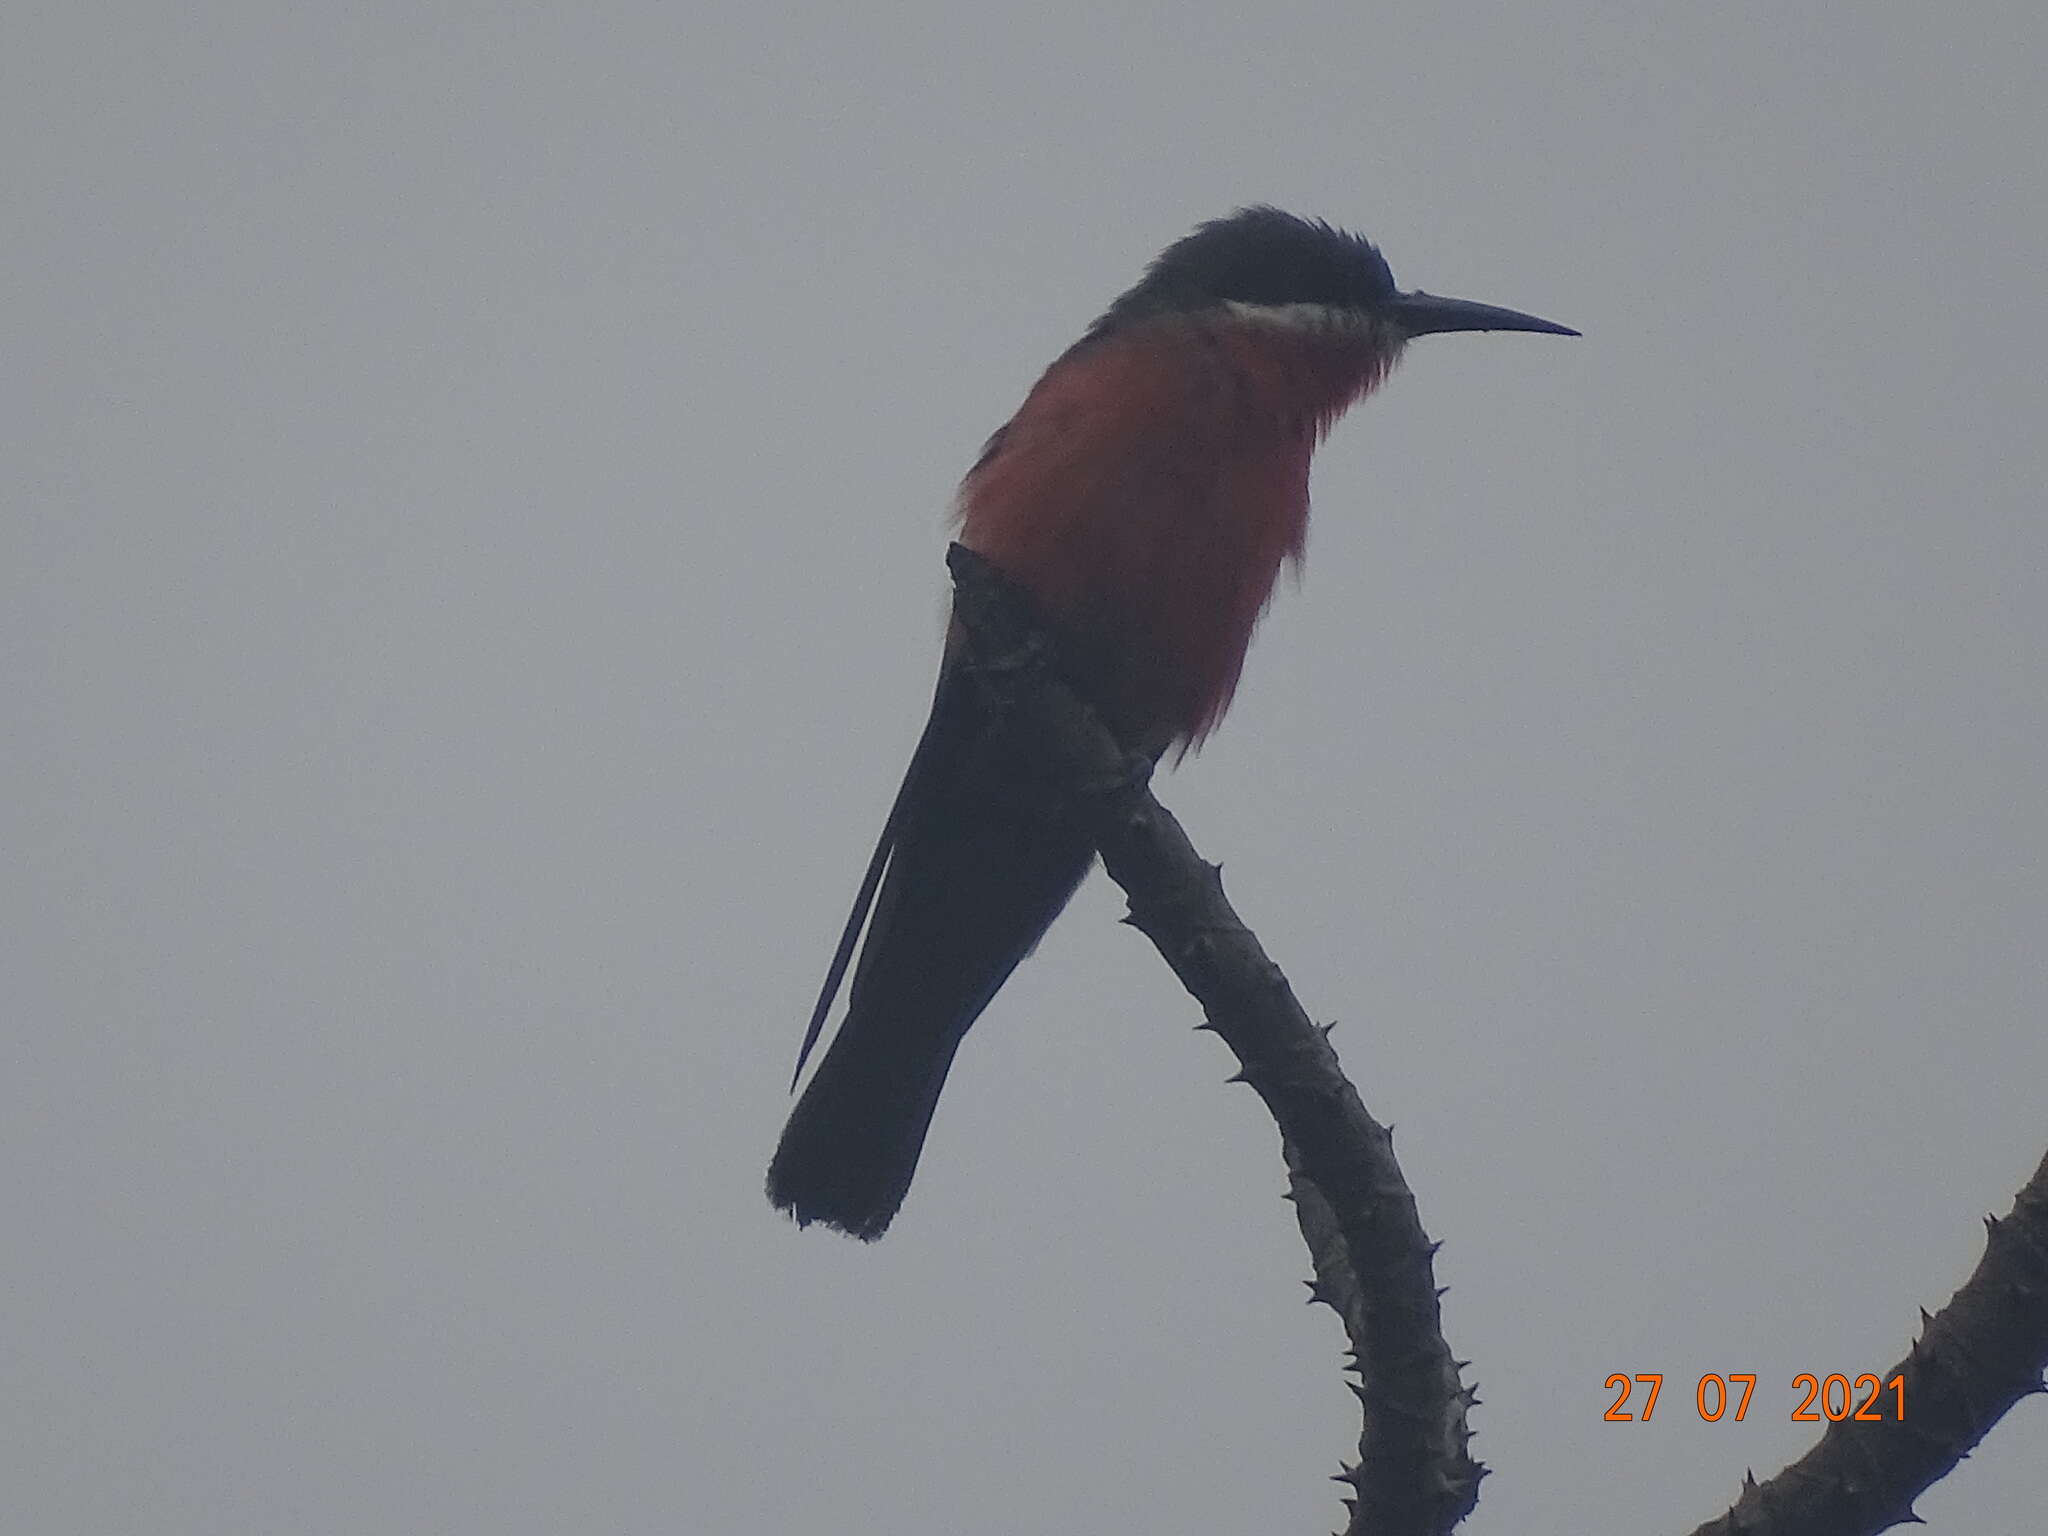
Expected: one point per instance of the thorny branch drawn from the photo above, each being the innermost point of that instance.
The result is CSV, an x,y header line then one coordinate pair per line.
x,y
1978,1356
1372,1259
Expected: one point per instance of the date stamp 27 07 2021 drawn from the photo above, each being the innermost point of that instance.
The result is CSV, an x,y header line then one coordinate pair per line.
x,y
1716,1397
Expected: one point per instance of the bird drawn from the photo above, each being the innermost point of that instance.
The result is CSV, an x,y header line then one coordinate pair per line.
x,y
1145,496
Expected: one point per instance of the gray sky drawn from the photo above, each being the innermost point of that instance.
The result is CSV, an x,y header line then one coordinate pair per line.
x,y
470,578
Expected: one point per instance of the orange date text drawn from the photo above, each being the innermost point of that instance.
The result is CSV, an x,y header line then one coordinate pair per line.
x,y
1716,1397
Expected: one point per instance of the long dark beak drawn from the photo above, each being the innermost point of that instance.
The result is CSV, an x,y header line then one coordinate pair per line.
x,y
1424,314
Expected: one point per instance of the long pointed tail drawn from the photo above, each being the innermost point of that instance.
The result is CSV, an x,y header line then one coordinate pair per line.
x,y
979,863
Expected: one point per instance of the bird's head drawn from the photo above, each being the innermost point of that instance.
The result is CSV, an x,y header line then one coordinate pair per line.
x,y
1264,266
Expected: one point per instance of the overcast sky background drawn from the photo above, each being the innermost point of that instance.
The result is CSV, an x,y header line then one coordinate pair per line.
x,y
471,576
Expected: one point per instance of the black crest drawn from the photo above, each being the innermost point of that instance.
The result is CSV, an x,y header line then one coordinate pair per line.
x,y
1256,256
